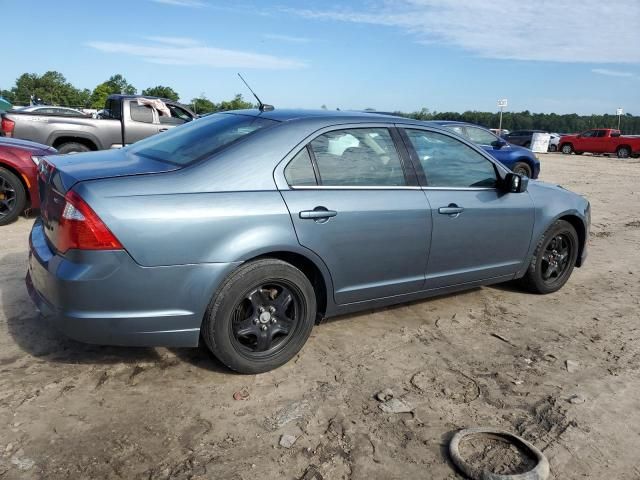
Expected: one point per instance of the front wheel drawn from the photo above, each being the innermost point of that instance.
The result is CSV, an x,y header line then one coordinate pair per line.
x,y
13,197
522,168
553,259
261,316
567,148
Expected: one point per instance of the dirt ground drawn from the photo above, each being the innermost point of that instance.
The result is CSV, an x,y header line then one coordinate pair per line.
x,y
492,356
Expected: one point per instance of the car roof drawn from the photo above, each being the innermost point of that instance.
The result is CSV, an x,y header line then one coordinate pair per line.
x,y
285,115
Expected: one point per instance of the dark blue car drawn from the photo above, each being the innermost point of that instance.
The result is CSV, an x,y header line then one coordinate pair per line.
x,y
519,159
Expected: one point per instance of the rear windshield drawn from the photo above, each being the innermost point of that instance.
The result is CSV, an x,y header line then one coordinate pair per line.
x,y
199,139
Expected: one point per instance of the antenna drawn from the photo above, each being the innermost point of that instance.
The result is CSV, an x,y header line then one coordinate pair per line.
x,y
261,106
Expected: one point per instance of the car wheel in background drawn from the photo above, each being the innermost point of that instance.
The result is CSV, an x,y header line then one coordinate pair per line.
x,y
623,152
553,259
521,168
73,147
527,145
553,148
260,317
567,148
13,197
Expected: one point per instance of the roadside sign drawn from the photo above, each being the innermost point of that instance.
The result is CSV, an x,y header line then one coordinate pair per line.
x,y
619,111
502,103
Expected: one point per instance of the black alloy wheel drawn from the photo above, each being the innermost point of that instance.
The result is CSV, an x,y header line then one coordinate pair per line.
x,y
265,318
555,259
261,316
12,196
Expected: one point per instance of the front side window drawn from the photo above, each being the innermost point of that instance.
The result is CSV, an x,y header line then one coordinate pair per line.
x,y
364,157
198,140
480,136
448,162
178,116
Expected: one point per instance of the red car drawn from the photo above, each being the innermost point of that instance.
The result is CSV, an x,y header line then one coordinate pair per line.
x,y
601,140
18,168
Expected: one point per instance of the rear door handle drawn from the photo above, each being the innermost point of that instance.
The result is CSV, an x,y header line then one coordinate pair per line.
x,y
452,209
318,213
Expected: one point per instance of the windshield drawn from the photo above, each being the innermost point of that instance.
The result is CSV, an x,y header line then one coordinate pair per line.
x,y
199,139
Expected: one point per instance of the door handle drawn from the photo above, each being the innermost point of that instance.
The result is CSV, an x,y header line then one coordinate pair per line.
x,y
452,209
318,213
162,130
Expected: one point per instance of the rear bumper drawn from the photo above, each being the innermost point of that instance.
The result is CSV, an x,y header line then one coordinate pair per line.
x,y
104,297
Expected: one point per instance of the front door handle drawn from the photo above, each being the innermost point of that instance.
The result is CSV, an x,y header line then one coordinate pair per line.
x,y
318,213
452,209
163,130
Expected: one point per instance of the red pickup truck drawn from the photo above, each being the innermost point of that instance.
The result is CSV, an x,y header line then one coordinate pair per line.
x,y
601,140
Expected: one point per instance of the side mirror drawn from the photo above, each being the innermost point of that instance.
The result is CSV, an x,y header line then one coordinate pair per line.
x,y
515,183
498,144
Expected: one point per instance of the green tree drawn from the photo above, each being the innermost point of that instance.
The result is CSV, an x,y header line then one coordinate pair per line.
x,y
118,84
162,92
100,94
237,103
52,87
202,104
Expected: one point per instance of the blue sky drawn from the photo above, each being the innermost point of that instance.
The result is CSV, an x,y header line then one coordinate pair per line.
x,y
447,55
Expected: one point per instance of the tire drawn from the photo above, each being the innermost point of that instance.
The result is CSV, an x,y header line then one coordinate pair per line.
x,y
623,152
73,147
521,168
13,197
553,148
534,280
234,309
567,149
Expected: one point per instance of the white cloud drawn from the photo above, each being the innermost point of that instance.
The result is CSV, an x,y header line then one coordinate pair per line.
x,y
182,3
611,73
286,38
187,51
589,31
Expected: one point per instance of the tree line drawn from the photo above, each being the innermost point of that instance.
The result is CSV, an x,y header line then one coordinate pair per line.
x,y
53,89
551,122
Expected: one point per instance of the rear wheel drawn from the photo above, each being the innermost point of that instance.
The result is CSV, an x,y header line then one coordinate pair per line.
x,y
553,259
623,152
73,147
13,197
567,148
521,168
261,316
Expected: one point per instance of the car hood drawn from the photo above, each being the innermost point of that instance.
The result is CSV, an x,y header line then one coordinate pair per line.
x,y
73,168
33,147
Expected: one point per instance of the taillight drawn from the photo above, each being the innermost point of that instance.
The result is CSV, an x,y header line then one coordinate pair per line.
x,y
81,228
8,126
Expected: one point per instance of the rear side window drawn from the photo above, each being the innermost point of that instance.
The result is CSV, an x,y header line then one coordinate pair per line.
x,y
112,109
480,136
299,171
198,139
363,157
447,162
141,113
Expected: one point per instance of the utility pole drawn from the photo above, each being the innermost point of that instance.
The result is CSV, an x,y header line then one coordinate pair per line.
x,y
502,104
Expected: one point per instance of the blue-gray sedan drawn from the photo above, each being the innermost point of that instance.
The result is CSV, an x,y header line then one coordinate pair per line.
x,y
245,228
